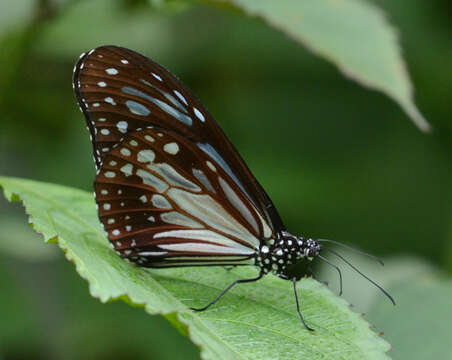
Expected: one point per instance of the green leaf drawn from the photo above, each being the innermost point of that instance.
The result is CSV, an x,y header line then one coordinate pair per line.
x,y
253,321
352,34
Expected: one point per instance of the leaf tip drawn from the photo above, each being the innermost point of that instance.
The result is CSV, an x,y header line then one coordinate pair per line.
x,y
416,116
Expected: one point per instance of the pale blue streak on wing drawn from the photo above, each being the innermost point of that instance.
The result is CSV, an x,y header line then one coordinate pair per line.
x,y
171,98
162,105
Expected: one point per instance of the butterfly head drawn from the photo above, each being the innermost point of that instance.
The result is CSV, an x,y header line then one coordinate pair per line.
x,y
287,251
309,248
300,248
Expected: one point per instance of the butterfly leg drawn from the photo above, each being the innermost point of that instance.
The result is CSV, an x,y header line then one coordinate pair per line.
x,y
226,290
294,281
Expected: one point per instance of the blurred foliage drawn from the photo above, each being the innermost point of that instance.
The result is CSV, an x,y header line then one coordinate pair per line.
x,y
339,161
365,49
419,325
424,304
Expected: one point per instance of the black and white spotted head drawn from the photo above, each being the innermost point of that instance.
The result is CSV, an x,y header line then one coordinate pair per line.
x,y
287,250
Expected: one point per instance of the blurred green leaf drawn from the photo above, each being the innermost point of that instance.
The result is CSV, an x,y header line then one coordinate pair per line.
x,y
423,301
353,34
14,14
420,326
112,24
254,321
364,294
14,231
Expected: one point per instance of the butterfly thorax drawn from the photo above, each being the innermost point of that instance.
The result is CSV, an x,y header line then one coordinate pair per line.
x,y
286,251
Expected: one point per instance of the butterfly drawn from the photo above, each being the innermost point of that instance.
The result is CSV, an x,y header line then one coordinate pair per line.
x,y
170,187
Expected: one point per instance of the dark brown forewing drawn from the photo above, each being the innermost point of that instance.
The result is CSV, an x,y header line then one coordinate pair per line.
x,y
163,201
120,91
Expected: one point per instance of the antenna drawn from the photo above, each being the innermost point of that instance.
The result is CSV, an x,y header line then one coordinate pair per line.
x,y
359,272
352,249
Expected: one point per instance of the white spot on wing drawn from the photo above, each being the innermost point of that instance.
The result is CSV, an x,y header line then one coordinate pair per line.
x,y
171,148
102,83
157,77
181,97
111,71
110,100
199,115
211,166
146,156
125,152
122,126
127,169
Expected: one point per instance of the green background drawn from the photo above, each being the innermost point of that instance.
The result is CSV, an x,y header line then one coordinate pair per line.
x,y
338,160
